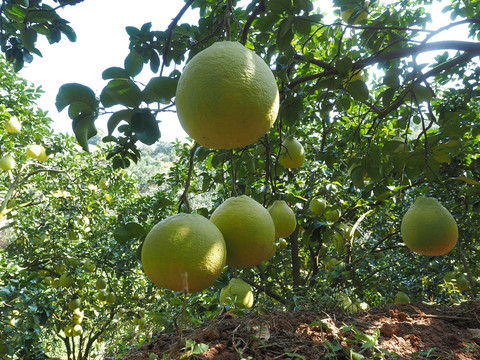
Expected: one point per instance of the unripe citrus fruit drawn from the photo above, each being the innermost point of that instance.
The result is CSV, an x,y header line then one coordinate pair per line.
x,y
184,251
332,214
317,205
100,284
66,280
111,298
428,228
13,125
227,96
33,151
462,282
283,218
248,230
7,162
74,304
292,154
401,298
237,292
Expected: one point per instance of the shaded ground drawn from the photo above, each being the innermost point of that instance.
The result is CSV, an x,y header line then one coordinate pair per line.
x,y
404,331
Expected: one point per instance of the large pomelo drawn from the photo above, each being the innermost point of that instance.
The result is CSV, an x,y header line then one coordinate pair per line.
x,y
248,230
227,96
184,252
428,228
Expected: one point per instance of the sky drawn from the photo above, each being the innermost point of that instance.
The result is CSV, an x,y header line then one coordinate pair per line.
x,y
102,42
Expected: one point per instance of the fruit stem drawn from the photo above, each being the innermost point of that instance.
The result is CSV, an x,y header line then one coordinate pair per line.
x,y
234,175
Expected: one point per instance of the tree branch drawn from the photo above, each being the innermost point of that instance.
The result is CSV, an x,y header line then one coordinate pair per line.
x,y
172,26
261,7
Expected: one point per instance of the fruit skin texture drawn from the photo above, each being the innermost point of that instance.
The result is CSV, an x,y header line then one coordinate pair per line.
x,y
184,244
317,205
237,292
428,228
283,218
7,162
248,230
227,96
292,154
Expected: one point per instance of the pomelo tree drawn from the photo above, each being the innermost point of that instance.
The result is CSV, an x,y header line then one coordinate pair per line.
x,y
380,125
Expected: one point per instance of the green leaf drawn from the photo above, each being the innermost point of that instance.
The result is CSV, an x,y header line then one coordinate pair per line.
x,y
344,65
358,89
285,35
422,93
145,126
15,12
84,129
76,93
279,6
467,180
41,16
160,89
302,26
133,63
128,231
121,91
117,117
115,73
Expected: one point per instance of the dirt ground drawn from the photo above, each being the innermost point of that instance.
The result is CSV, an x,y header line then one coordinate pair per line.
x,y
403,331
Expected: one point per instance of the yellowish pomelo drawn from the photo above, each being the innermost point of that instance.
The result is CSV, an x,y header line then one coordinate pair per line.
x,y
238,293
184,252
33,151
248,230
401,298
7,162
13,125
428,228
43,154
317,205
283,218
292,154
227,96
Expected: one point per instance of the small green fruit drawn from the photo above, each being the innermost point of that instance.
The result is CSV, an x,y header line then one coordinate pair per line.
x,y
317,205
401,298
238,293
74,304
101,284
66,280
332,215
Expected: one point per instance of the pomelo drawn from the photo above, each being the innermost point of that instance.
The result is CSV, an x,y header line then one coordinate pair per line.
x,y
248,230
227,96
184,252
428,228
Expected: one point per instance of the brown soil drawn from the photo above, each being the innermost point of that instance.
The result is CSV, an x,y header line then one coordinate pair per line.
x,y
405,331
